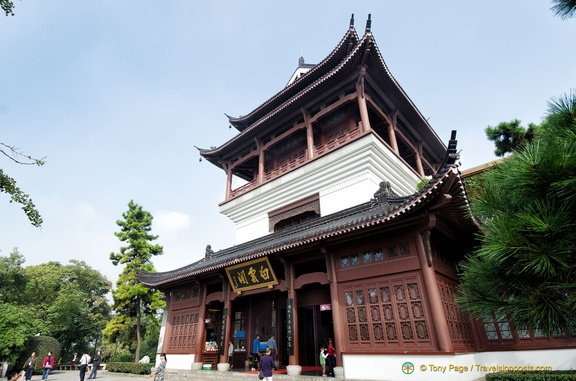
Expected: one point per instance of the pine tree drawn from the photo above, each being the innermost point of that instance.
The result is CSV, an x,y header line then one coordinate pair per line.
x,y
133,301
525,268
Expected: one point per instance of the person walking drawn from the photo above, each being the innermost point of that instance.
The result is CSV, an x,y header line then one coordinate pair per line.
x,y
84,361
230,353
273,348
159,371
73,361
47,365
95,365
322,360
29,366
255,352
266,365
331,358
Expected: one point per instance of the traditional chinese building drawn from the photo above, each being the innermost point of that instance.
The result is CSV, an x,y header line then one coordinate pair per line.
x,y
333,238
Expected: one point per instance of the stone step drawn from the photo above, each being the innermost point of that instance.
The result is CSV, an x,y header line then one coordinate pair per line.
x,y
214,375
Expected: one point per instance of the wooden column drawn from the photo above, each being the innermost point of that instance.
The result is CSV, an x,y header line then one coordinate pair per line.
x,y
418,158
362,105
309,135
261,158
164,338
293,300
228,169
339,328
392,132
201,330
433,292
226,320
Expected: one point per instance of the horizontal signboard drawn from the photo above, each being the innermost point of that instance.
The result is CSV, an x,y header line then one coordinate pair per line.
x,y
251,275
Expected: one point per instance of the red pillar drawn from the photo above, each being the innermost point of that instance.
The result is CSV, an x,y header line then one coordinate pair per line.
x,y
338,327
362,106
434,298
201,330
227,320
392,132
293,358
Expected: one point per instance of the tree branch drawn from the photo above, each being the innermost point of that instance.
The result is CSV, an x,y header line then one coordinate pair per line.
x,y
14,154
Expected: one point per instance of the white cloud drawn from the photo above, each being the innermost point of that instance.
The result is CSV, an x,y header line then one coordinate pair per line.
x,y
166,221
85,210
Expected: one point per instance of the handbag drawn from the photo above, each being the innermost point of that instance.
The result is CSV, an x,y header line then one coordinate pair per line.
x,y
261,375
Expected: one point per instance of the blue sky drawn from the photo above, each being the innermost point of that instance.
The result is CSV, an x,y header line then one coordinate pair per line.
x,y
116,94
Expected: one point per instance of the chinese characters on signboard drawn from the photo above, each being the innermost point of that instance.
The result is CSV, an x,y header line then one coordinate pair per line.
x,y
250,275
224,317
290,326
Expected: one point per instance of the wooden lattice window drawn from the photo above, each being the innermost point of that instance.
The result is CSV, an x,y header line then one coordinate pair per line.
x,y
503,331
387,313
184,328
458,323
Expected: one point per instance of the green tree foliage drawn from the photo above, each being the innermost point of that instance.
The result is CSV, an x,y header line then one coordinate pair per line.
x,y
12,278
150,343
526,266
7,6
7,183
67,302
73,302
510,136
564,8
17,326
132,300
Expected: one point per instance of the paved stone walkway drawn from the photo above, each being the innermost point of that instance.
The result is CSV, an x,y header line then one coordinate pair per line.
x,y
74,375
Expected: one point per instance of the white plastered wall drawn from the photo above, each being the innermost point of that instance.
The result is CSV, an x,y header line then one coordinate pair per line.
x,y
464,367
344,178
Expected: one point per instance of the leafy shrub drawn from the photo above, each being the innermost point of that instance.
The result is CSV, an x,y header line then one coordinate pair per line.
x,y
41,345
123,357
129,367
556,375
422,183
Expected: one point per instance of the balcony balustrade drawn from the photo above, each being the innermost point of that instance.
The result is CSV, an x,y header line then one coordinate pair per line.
x,y
301,160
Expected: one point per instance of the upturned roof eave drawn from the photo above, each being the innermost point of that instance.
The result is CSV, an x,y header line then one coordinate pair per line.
x,y
273,244
308,92
386,80
417,117
317,71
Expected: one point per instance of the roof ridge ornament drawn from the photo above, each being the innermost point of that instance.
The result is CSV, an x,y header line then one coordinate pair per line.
x,y
383,193
352,21
368,24
451,153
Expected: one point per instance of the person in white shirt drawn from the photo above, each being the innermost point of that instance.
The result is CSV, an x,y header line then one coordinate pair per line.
x,y
84,361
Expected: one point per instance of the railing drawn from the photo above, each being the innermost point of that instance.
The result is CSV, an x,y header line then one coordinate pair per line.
x,y
287,167
244,188
319,151
338,142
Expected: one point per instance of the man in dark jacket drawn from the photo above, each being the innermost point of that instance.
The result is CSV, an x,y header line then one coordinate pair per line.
x,y
266,365
29,366
95,365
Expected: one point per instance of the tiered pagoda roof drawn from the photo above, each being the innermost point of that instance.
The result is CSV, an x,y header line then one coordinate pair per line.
x,y
342,64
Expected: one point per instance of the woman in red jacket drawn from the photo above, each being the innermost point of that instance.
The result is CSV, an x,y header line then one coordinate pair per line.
x,y
47,364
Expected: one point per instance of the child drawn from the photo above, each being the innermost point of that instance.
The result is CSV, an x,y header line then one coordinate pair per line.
x,y
323,355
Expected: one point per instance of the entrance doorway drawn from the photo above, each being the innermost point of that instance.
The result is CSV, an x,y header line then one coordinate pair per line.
x,y
315,327
315,324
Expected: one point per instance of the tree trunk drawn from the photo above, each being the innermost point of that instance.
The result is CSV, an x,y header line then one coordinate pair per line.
x,y
138,337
